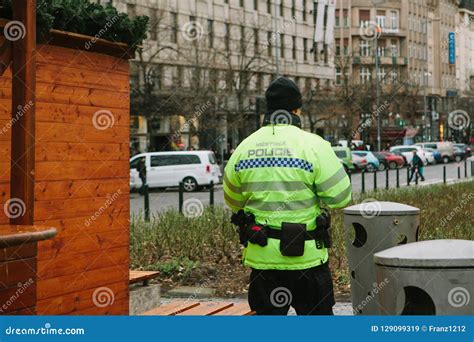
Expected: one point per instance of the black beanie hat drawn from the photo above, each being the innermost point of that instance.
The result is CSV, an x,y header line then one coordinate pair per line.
x,y
284,94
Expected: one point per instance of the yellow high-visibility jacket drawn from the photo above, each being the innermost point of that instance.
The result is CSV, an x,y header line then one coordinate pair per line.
x,y
282,174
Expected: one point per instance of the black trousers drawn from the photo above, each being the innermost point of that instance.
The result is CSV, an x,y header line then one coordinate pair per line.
x,y
309,292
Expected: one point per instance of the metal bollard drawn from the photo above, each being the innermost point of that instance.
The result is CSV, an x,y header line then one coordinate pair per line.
x,y
372,227
465,168
459,171
181,197
211,194
387,179
147,202
472,169
408,176
398,178
363,181
375,181
445,181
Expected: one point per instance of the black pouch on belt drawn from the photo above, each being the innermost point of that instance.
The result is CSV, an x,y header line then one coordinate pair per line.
x,y
293,238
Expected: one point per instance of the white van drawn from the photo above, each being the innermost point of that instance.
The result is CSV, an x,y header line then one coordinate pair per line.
x,y
445,148
168,169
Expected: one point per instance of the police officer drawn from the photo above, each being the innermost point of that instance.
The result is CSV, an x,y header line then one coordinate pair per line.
x,y
275,183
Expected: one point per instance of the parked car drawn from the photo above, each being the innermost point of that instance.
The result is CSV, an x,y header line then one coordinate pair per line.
x,y
345,155
429,157
373,162
459,154
436,154
360,163
466,149
445,148
382,160
393,161
167,169
407,152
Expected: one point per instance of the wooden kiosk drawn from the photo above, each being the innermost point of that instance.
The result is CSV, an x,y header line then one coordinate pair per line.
x,y
64,173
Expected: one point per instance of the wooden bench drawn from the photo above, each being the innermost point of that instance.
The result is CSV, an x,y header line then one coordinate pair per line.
x,y
141,276
193,308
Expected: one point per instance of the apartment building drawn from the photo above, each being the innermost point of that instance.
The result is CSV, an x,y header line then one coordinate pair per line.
x,y
411,40
465,48
236,47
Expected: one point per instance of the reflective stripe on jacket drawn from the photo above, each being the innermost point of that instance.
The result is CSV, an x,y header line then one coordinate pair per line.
x,y
281,174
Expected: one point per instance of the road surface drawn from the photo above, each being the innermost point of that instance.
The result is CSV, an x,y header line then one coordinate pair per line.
x,y
165,200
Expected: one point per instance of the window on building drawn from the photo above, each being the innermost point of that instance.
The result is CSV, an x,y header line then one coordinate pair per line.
x,y
394,19
153,24
345,50
294,50
380,18
269,6
293,8
364,18
382,74
305,49
337,23
256,40
338,47
345,18
394,48
227,37
305,10
174,28
242,38
282,46
210,30
365,49
282,8
338,76
365,75
393,75
270,44
255,5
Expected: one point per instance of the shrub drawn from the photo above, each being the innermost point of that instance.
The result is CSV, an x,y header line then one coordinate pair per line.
x,y
83,17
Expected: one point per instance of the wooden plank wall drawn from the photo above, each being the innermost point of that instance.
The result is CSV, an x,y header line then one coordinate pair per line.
x,y
5,140
82,180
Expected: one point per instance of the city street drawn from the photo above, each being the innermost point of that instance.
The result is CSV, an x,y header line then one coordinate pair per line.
x,y
166,200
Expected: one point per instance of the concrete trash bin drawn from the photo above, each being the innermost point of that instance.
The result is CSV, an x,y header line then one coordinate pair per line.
x,y
427,278
372,227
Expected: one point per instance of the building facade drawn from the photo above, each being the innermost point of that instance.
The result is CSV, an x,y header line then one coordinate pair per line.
x,y
408,44
210,62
